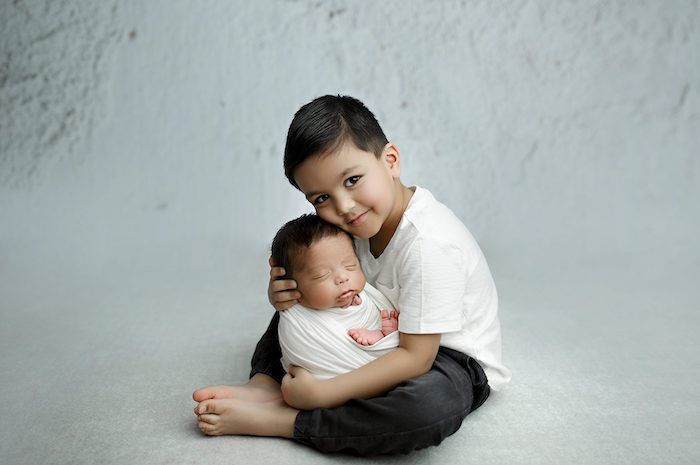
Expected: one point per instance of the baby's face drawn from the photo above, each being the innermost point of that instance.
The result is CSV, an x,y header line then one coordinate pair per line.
x,y
328,273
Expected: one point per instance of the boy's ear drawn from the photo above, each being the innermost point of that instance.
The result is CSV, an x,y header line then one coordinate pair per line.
x,y
392,159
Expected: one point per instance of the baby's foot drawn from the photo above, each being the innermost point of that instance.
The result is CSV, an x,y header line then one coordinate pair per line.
x,y
365,336
390,322
234,416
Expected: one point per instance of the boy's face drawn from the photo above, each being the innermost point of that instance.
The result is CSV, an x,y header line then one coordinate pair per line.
x,y
329,274
351,188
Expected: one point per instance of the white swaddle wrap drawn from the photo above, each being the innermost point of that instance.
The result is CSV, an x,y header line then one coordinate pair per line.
x,y
318,340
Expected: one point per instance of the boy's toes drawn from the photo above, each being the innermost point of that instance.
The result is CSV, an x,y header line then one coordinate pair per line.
x,y
209,418
208,406
208,429
203,394
384,314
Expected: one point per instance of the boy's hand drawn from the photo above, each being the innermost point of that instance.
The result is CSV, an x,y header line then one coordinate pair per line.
x,y
300,389
281,293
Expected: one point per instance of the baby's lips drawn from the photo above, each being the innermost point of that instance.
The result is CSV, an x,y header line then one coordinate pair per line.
x,y
348,300
345,295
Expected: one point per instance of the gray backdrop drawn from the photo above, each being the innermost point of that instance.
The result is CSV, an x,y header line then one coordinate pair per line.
x,y
141,183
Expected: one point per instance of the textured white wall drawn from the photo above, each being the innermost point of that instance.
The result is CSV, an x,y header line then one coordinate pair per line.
x,y
560,129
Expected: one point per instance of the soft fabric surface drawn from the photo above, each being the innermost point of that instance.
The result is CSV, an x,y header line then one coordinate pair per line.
x,y
318,340
99,360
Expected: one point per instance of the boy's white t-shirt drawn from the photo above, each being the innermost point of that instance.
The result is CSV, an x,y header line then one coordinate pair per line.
x,y
435,274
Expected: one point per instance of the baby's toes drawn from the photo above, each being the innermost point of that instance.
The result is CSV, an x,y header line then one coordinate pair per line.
x,y
384,314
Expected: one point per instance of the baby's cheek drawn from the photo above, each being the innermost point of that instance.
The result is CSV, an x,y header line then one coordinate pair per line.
x,y
319,298
360,281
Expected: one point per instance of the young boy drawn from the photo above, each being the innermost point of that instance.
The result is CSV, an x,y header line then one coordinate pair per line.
x,y
337,304
420,255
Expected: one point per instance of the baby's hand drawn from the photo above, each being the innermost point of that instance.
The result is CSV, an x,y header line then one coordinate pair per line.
x,y
357,300
281,293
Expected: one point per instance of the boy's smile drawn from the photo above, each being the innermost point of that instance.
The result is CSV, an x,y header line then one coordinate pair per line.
x,y
354,190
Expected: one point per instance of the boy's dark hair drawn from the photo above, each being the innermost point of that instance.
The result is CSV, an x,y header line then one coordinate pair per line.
x,y
298,234
324,124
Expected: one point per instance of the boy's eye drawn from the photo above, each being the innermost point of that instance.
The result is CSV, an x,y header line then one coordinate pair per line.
x,y
351,181
351,267
320,199
319,277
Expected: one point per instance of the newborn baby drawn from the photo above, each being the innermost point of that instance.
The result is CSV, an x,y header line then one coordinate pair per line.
x,y
341,322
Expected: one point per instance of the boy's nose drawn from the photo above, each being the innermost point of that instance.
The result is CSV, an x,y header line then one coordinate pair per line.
x,y
342,279
344,205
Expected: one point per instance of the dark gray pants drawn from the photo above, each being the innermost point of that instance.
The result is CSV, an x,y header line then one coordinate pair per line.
x,y
418,413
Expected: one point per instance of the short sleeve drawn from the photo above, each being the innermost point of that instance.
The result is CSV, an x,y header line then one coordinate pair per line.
x,y
432,280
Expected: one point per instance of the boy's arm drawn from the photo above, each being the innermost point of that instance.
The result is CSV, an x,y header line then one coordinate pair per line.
x,y
414,357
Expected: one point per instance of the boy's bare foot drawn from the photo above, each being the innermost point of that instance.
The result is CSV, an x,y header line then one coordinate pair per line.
x,y
365,336
244,392
260,388
390,321
234,416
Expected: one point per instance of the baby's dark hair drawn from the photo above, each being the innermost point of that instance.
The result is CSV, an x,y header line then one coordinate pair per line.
x,y
299,234
324,124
